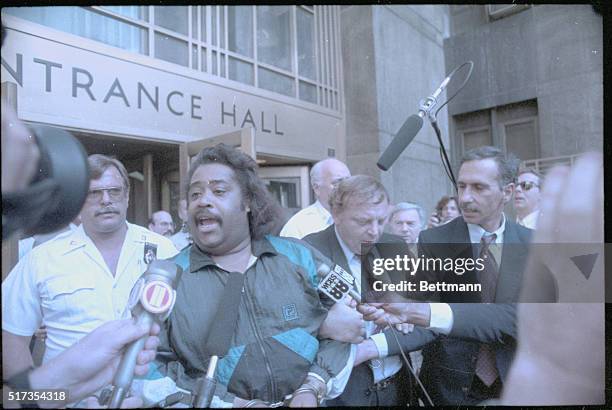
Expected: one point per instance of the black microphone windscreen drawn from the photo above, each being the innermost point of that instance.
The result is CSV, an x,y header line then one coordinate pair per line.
x,y
404,136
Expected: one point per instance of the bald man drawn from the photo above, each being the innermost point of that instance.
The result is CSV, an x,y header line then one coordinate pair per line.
x,y
324,176
161,223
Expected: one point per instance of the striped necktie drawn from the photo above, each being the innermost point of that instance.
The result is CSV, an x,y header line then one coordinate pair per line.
x,y
486,368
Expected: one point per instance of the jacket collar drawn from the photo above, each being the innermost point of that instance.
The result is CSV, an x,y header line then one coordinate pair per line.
x,y
198,259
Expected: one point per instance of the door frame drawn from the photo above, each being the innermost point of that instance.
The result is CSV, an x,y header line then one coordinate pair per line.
x,y
243,139
291,171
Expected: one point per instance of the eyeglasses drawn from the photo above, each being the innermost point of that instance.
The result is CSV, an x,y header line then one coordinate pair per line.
x,y
114,193
527,185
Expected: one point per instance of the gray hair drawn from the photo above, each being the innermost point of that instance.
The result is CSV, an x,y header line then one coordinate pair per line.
x,y
507,165
529,170
405,206
317,169
357,189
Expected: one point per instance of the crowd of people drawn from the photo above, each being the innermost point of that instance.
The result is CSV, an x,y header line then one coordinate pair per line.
x,y
289,343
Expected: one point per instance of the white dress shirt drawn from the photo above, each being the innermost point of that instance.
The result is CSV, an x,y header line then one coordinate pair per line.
x,y
313,218
530,221
381,368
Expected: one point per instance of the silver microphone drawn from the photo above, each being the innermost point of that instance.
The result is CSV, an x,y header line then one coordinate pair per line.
x,y
426,105
151,300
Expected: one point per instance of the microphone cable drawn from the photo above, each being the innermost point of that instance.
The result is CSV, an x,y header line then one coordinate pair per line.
x,y
434,121
407,363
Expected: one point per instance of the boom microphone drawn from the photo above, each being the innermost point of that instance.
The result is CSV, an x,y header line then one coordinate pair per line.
x,y
151,299
403,137
410,128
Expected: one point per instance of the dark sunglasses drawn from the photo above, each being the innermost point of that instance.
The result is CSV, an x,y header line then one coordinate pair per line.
x,y
527,185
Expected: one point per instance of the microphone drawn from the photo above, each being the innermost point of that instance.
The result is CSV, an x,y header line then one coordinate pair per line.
x,y
409,129
151,300
404,136
336,283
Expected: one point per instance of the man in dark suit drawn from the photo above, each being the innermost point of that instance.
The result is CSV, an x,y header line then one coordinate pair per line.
x,y
359,206
468,346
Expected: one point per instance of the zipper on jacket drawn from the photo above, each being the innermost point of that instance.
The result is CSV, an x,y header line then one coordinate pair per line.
x,y
250,309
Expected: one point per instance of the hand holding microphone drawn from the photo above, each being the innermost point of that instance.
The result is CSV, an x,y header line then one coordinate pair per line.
x,y
90,364
151,301
343,323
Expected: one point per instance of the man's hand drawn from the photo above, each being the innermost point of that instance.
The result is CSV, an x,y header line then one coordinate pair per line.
x,y
405,328
434,220
365,351
304,399
308,397
41,333
416,313
343,323
543,372
91,363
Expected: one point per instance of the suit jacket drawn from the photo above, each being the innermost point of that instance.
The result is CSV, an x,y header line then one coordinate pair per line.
x,y
449,361
327,243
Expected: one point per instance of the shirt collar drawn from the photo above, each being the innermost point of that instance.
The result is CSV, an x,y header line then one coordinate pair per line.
x,y
529,217
477,231
199,259
348,254
80,237
321,209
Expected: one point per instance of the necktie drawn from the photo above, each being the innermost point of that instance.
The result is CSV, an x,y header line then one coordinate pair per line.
x,y
488,276
486,369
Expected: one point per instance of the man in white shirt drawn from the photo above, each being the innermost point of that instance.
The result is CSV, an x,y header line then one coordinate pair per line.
x,y
527,198
324,175
77,282
469,364
161,222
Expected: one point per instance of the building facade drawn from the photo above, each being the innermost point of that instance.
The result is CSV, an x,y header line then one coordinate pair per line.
x,y
139,82
537,86
292,85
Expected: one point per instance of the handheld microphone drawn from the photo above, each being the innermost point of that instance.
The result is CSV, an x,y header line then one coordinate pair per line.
x,y
151,299
336,283
409,129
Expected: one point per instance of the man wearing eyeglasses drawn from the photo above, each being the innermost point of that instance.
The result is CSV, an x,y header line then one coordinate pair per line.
x,y
161,223
527,198
76,282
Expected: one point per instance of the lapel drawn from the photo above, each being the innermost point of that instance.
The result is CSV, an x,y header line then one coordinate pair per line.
x,y
335,251
459,239
513,261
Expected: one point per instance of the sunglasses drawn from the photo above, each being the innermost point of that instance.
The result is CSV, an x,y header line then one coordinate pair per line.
x,y
527,185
